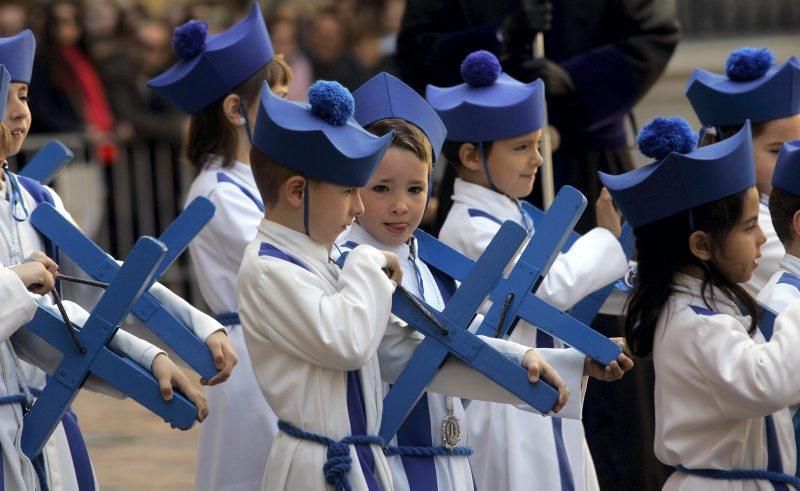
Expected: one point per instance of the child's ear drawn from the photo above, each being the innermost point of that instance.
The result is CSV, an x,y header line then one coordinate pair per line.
x,y
232,108
470,157
294,190
796,227
700,245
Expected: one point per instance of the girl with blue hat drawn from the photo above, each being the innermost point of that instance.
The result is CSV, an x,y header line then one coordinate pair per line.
x,y
494,124
721,388
217,81
430,450
752,88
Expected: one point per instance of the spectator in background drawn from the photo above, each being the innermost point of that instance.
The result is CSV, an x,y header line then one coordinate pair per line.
x,y
13,17
284,40
104,30
326,43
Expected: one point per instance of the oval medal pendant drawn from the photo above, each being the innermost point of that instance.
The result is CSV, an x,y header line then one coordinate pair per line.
x,y
451,431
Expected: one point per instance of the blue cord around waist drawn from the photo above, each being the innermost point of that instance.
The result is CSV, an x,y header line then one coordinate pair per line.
x,y
228,319
339,462
407,451
743,475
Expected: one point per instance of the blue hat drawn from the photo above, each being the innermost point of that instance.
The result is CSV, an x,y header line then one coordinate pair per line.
x,y
750,89
5,80
385,96
16,54
786,175
490,105
683,177
320,139
212,67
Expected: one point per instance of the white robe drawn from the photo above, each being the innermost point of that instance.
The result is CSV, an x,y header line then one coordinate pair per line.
x,y
772,251
514,448
23,240
229,459
306,329
715,384
452,473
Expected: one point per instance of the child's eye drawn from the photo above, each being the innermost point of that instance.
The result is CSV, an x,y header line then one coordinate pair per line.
x,y
521,148
380,188
24,99
415,189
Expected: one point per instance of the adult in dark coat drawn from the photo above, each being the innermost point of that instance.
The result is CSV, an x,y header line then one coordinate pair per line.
x,y
602,56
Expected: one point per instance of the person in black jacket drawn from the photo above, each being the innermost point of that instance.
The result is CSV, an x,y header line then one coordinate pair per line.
x,y
602,56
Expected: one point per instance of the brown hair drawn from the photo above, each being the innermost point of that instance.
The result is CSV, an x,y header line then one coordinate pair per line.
x,y
269,175
278,71
782,207
450,150
5,140
406,136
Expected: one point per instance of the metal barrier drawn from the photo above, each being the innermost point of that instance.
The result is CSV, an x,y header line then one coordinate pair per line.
x,y
139,194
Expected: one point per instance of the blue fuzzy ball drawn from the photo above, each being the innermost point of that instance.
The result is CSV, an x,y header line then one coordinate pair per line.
x,y
480,69
662,136
749,63
331,101
189,40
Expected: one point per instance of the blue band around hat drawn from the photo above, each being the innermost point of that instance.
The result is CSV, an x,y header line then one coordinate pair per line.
x,y
385,96
681,182
719,101
291,135
786,175
505,109
227,60
17,53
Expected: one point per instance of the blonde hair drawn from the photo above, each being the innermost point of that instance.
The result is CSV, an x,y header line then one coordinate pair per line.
x,y
278,71
5,141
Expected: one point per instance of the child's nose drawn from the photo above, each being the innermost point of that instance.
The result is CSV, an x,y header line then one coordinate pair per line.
x,y
357,206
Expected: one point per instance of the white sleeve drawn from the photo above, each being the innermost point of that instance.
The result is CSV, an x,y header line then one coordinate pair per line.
x,y
473,238
749,379
235,222
17,307
593,261
285,304
200,323
455,378
778,296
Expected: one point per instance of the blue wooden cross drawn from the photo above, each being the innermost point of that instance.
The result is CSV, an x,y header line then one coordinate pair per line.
x,y
514,297
46,163
135,276
447,335
586,310
101,267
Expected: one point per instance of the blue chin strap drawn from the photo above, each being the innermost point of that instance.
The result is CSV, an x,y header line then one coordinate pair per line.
x,y
243,110
306,192
485,160
16,195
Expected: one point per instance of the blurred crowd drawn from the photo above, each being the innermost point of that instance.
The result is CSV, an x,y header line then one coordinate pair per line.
x,y
96,56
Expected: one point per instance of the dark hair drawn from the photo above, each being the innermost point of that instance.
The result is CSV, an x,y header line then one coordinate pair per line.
x,y
211,133
450,151
269,175
406,136
727,131
663,250
782,207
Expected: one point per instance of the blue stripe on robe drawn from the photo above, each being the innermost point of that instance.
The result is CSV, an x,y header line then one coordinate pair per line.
x,y
476,213
358,426
270,250
222,177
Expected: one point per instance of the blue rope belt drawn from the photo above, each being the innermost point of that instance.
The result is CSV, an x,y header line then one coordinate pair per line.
x,y
404,451
228,319
745,475
339,462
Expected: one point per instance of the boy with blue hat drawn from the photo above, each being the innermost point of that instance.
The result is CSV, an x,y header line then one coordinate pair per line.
x,y
218,81
426,453
494,124
314,331
721,389
752,88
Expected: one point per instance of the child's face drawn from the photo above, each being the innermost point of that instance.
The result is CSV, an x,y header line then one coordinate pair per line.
x,y
395,197
18,115
332,209
738,255
768,143
513,164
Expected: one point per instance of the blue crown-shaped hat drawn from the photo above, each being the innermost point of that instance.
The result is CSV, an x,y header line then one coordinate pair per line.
x,y
385,96
750,89
786,175
683,177
17,53
489,105
5,81
211,67
319,139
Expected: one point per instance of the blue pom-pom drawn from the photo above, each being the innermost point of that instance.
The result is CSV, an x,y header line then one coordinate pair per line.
x,y
189,40
749,63
480,69
662,136
331,101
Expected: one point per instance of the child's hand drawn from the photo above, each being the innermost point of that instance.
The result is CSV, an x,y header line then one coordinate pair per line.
x,y
35,276
169,376
538,368
607,214
41,257
615,370
393,269
224,357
